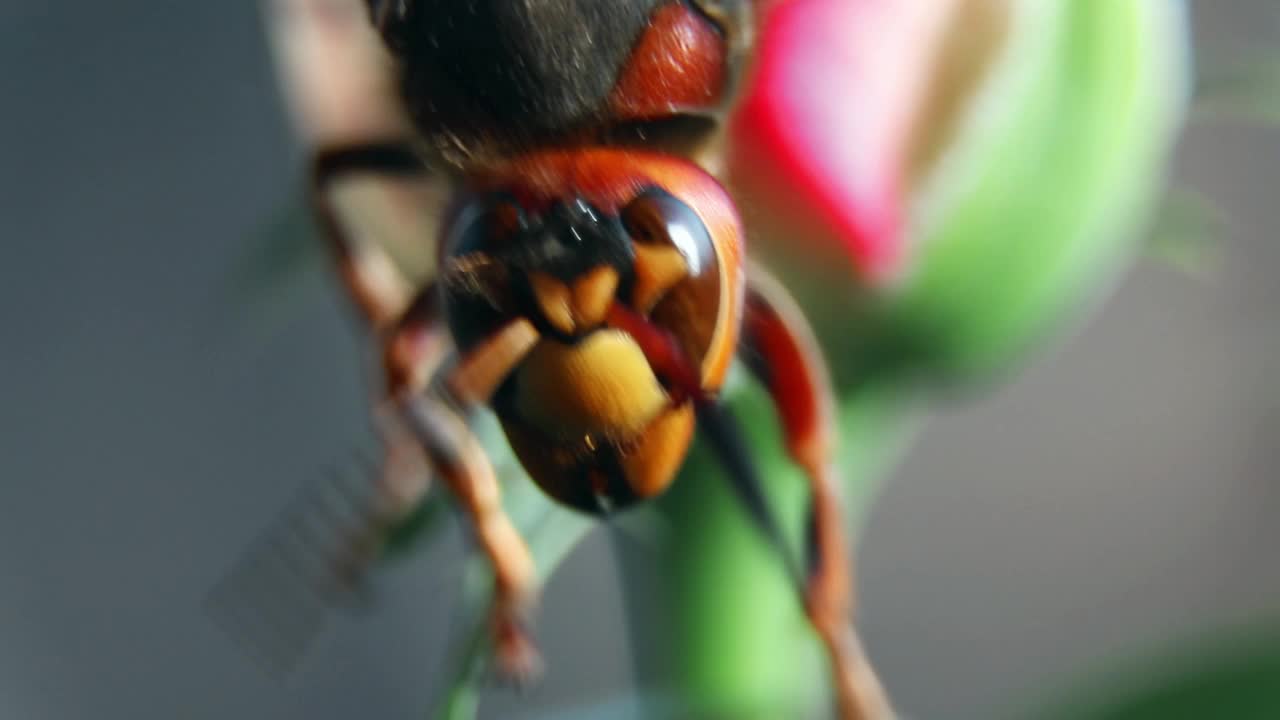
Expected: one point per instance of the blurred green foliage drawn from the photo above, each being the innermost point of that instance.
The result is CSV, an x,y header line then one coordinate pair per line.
x,y
1235,676
1247,88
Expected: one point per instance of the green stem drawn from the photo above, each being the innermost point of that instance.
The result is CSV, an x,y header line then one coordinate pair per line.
x,y
717,626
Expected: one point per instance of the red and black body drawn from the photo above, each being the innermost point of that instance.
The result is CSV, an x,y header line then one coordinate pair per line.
x,y
568,124
593,285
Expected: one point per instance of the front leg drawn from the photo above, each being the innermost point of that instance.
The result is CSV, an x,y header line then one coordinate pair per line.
x,y
432,398
275,599
383,298
781,351
435,415
378,290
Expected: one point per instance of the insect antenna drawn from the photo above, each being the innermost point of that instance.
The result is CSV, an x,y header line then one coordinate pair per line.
x,y
721,430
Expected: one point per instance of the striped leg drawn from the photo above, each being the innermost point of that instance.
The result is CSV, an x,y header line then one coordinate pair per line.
x,y
276,598
378,291
781,351
437,418
432,392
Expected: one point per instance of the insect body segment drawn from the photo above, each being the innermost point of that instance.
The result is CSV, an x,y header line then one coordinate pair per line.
x,y
482,78
589,246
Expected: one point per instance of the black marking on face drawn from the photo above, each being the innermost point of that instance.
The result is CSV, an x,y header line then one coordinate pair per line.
x,y
570,239
564,241
494,246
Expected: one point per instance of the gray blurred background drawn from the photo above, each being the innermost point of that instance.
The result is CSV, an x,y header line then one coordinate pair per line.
x,y
1117,498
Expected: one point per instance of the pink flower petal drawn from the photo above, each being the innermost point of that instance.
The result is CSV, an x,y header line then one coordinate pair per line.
x,y
822,134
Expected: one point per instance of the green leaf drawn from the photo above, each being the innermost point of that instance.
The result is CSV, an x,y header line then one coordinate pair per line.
x,y
1247,89
1236,676
1185,231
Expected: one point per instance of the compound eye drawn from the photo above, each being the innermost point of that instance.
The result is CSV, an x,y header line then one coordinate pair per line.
x,y
676,272
483,225
474,277
656,219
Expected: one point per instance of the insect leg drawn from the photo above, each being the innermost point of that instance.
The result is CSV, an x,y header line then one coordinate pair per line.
x,y
781,351
413,344
378,290
388,307
436,418
383,297
431,402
